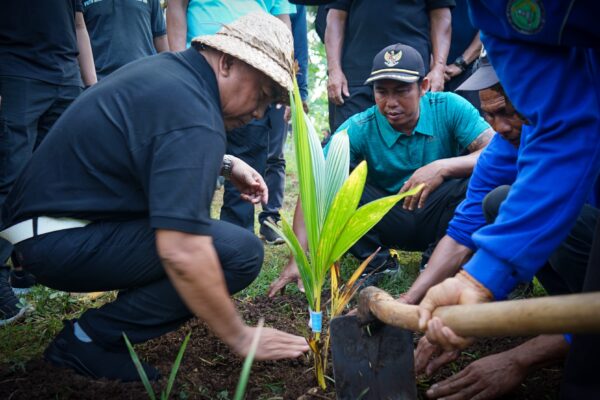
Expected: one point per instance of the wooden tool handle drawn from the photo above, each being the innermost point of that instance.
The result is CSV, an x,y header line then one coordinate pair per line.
x,y
575,313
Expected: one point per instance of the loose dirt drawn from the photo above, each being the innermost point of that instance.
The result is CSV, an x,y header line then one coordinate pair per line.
x,y
210,371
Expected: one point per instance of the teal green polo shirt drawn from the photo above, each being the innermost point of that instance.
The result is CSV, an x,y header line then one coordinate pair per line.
x,y
447,125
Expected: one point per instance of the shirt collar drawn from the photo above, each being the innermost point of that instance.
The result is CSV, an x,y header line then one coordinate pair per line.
x,y
424,124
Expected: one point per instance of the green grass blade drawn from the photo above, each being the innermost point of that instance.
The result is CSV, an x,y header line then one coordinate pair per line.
x,y
245,374
304,267
139,368
364,219
342,208
175,367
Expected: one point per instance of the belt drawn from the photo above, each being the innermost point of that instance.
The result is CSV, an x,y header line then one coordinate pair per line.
x,y
39,226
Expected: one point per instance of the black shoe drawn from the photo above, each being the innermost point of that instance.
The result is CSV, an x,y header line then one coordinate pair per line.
x,y
21,281
92,360
11,309
372,277
269,235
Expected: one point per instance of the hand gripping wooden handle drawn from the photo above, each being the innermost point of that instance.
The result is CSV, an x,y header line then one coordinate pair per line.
x,y
575,313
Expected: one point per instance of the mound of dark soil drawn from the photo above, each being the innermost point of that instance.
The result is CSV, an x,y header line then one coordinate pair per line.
x,y
210,371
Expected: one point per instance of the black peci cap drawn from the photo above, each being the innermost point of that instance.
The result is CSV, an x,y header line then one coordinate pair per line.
x,y
398,62
484,77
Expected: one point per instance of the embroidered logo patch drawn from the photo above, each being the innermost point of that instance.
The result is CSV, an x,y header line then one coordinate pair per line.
x,y
392,57
526,16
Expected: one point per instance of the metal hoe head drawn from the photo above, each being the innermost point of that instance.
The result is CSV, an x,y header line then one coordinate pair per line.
x,y
372,362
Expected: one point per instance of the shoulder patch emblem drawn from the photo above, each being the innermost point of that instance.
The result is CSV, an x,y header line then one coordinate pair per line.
x,y
526,16
392,57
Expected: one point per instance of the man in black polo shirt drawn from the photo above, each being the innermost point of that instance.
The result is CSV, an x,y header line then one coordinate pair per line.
x,y
44,56
122,31
118,197
356,31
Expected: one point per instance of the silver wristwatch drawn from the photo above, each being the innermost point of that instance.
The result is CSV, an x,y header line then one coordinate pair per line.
x,y
227,166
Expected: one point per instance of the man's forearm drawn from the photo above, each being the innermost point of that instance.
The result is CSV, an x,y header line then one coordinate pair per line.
x,y
177,24
440,32
161,43
540,351
459,167
334,38
85,57
195,271
447,258
472,52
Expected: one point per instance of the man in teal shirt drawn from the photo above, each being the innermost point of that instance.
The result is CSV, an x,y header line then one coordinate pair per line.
x,y
411,136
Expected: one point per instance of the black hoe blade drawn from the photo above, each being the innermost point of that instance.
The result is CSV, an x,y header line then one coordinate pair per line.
x,y
374,363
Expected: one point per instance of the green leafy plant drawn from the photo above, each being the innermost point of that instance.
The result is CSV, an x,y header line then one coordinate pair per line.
x,y
164,394
245,374
333,220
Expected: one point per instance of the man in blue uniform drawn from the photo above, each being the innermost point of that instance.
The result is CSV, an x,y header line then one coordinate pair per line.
x,y
563,273
551,45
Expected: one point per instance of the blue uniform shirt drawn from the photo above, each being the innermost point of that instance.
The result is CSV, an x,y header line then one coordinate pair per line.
x,y
557,89
447,125
496,166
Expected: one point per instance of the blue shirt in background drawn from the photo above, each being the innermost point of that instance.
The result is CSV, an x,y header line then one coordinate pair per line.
x,y
447,125
205,17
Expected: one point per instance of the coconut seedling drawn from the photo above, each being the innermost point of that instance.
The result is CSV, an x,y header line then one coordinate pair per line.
x,y
333,220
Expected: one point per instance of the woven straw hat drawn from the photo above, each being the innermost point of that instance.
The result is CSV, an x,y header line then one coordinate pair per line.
x,y
260,40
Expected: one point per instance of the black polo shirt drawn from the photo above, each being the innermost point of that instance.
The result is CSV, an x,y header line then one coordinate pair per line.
x,y
375,24
38,40
146,142
122,31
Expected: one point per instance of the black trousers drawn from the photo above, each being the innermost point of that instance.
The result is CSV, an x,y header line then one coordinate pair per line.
x,y
565,270
122,256
574,267
29,109
417,230
580,379
361,98
260,144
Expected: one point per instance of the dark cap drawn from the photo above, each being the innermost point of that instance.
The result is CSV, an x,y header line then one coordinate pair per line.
x,y
484,77
398,62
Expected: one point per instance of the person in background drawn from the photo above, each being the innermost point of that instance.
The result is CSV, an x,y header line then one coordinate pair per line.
x,y
551,46
254,142
144,177
357,29
275,172
45,61
465,48
122,31
410,137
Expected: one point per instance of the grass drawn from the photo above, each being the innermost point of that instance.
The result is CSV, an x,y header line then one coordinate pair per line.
x,y
23,341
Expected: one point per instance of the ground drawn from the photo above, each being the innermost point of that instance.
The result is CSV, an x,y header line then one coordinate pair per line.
x,y
209,370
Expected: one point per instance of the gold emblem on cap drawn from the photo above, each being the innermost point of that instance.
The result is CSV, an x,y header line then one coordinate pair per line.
x,y
392,57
